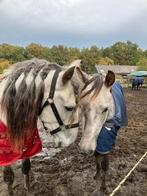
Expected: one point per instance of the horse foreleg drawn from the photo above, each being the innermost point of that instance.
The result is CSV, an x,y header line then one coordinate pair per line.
x,y
104,166
102,163
8,177
26,166
98,175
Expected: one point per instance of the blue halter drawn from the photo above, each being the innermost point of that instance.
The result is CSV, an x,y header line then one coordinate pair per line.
x,y
108,133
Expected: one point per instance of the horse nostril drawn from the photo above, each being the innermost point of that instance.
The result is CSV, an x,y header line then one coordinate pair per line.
x,y
86,153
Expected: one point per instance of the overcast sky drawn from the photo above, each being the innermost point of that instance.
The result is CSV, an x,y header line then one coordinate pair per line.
x,y
77,23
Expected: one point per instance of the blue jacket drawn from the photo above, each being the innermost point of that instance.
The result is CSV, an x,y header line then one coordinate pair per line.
x,y
108,133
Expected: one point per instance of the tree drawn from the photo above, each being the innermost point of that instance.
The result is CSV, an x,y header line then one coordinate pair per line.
x,y
12,53
37,50
145,53
59,54
4,64
124,53
142,64
73,54
90,57
105,61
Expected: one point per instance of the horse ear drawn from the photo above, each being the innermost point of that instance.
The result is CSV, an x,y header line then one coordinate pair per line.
x,y
76,63
110,78
82,75
68,75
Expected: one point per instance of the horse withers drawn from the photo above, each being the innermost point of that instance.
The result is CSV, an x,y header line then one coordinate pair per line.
x,y
35,89
103,113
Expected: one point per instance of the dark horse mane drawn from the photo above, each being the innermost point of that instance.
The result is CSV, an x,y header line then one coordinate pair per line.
x,y
22,105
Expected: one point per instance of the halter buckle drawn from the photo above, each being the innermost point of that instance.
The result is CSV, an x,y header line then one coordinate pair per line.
x,y
50,100
62,126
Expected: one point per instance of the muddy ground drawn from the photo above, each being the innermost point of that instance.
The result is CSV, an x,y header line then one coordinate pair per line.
x,y
68,173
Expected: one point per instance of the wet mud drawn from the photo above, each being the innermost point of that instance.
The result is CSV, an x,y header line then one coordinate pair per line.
x,y
69,173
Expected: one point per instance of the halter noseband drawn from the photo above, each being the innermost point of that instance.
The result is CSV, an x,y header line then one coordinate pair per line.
x,y
50,102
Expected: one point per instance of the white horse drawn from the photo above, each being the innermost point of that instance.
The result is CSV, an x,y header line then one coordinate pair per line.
x,y
35,89
103,114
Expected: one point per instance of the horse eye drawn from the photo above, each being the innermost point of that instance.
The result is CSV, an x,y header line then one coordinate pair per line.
x,y
105,110
68,108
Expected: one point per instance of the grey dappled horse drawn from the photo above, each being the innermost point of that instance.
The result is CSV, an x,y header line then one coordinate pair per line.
x,y
103,113
35,89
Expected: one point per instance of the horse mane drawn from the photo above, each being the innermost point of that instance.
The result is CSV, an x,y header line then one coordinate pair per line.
x,y
22,105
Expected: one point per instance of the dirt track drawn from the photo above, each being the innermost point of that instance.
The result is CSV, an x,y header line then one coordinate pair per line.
x,y
69,173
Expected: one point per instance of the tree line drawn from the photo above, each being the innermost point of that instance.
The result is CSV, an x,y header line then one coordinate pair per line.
x,y
120,53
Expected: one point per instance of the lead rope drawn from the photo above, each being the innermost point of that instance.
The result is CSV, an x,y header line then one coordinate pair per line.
x,y
125,178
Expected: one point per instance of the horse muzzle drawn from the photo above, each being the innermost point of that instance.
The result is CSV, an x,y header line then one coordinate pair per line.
x,y
84,150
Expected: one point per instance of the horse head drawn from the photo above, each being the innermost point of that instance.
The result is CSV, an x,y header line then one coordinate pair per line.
x,y
97,106
38,89
64,125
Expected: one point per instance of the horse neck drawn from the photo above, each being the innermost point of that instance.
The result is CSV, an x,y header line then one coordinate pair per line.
x,y
38,80
112,108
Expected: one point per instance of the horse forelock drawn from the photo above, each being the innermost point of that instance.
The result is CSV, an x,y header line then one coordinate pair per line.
x,y
96,83
22,98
